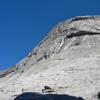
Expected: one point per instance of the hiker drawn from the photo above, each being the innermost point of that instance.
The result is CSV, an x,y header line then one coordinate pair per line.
x,y
22,90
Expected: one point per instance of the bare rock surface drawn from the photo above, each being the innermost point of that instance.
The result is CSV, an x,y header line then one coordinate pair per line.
x,y
67,60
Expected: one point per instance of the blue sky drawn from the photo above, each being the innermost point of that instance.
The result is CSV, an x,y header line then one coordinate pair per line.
x,y
24,23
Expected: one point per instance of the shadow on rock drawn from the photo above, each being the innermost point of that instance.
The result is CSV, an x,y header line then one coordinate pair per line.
x,y
37,96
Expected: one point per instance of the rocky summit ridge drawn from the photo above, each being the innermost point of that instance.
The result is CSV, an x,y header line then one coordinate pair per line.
x,y
67,59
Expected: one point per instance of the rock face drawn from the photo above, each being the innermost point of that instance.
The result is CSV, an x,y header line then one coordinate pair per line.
x,y
68,60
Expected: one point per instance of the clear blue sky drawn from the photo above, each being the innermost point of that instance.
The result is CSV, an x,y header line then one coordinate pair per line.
x,y
23,23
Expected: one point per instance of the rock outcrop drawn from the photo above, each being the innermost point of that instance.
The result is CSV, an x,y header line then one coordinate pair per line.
x,y
68,59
